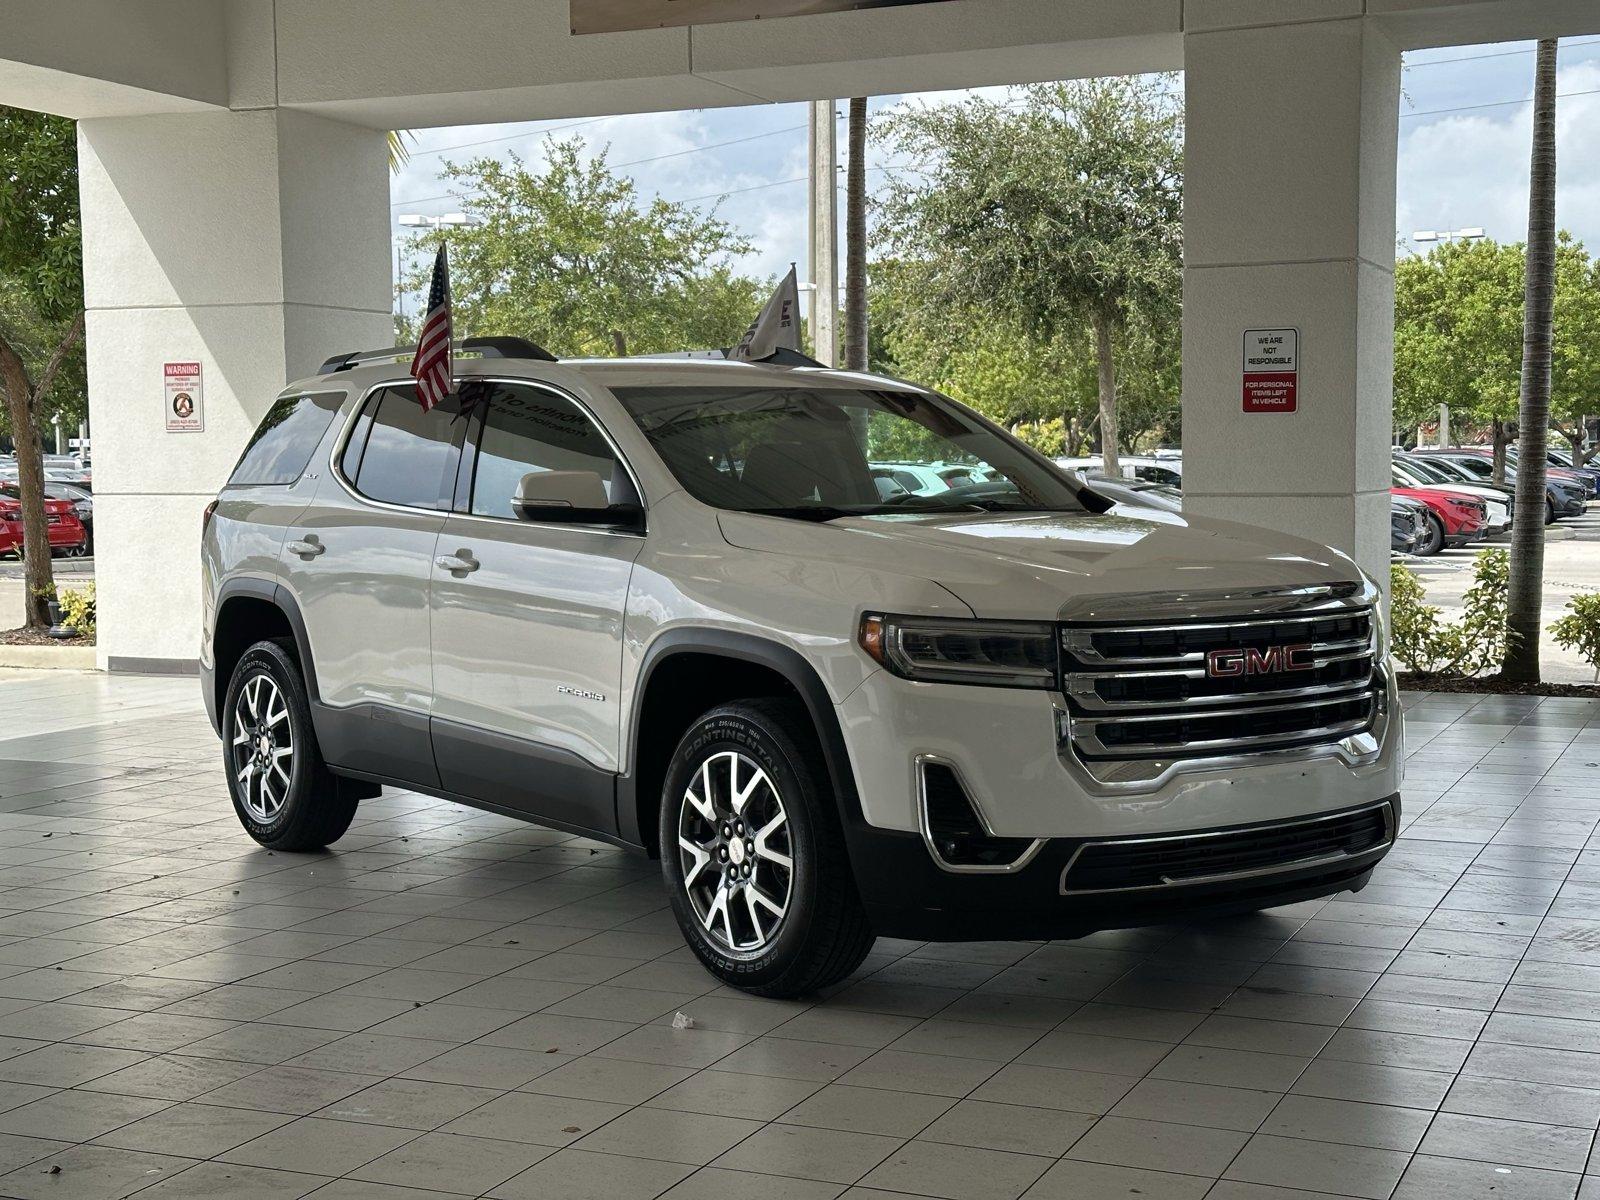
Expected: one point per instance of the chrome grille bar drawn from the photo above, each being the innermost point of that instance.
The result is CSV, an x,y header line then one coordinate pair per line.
x,y
1142,689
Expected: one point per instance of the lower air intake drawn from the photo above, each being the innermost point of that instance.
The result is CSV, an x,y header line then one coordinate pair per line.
x,y
955,833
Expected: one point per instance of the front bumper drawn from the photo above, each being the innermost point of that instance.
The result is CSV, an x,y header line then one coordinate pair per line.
x,y
907,895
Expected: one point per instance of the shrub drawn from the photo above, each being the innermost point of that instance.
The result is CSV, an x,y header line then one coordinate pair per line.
x,y
77,610
1423,641
1580,629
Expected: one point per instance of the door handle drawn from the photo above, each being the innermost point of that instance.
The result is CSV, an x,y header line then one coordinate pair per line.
x,y
459,563
307,549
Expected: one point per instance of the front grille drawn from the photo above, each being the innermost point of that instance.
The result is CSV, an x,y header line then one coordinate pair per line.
x,y
1229,854
1151,690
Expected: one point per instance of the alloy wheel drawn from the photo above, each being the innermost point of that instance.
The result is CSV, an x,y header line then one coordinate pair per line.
x,y
262,747
735,852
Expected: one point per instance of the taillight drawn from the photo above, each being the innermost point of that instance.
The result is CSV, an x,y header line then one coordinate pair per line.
x,y
205,518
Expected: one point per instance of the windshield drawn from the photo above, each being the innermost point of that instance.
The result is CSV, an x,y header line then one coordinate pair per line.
x,y
1425,471
823,453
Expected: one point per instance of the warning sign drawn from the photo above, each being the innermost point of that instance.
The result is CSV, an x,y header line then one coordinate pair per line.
x,y
1271,370
184,397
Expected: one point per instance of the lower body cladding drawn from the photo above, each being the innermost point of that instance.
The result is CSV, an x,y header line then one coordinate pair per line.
x,y
980,820
1071,887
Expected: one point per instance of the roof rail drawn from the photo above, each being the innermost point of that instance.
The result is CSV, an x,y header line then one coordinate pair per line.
x,y
781,357
488,347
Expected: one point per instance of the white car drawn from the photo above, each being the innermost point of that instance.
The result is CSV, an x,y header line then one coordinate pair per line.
x,y
663,604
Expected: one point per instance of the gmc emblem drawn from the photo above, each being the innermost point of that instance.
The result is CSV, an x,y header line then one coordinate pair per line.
x,y
1233,664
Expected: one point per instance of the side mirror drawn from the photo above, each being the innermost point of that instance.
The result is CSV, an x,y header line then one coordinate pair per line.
x,y
572,498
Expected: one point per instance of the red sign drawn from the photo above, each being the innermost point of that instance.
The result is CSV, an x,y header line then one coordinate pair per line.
x,y
1271,370
1271,392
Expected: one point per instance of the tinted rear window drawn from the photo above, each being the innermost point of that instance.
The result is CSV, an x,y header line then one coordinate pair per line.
x,y
282,444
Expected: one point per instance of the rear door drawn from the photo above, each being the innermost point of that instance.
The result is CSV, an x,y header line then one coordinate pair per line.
x,y
359,561
527,617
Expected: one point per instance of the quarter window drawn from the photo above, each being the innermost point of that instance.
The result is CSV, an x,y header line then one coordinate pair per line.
x,y
282,444
528,430
398,453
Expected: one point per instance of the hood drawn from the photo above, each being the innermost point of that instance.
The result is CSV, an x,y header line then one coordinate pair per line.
x,y
1036,566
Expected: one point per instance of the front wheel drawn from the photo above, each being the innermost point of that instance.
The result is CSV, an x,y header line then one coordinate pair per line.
x,y
1433,541
1549,511
284,794
753,855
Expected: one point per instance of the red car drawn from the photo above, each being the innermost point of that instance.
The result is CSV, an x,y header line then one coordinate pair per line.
x,y
67,535
1454,518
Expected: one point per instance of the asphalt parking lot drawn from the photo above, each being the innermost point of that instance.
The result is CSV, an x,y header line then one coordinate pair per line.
x,y
454,1004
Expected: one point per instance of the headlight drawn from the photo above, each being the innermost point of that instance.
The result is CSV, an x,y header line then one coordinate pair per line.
x,y
996,653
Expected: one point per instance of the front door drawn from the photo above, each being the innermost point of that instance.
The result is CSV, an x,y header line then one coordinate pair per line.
x,y
359,561
527,618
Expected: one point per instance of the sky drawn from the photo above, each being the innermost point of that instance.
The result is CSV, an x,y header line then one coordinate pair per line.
x,y
1465,124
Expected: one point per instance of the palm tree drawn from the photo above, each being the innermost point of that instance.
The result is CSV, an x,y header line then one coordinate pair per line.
x,y
855,240
399,149
1527,537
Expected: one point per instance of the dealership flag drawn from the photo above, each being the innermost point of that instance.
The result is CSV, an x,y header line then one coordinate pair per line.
x,y
434,364
778,326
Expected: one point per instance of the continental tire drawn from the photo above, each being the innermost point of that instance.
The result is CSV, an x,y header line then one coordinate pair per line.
x,y
283,793
753,855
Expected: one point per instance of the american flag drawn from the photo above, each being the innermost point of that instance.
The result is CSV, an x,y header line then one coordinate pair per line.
x,y
434,364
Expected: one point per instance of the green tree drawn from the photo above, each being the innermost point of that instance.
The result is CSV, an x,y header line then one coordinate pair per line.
x,y
1575,355
1527,526
1458,332
571,257
1058,210
41,257
1045,391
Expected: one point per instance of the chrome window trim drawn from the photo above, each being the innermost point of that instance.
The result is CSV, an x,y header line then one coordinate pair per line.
x,y
1301,864
924,825
337,453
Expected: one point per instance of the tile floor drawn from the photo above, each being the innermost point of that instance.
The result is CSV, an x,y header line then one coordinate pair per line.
x,y
458,1005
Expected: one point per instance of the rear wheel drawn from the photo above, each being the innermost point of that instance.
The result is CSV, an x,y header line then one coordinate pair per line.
x,y
284,794
1433,536
1549,511
753,855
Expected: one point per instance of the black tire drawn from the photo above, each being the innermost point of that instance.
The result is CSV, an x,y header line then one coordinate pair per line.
x,y
1549,511
823,933
313,809
1435,539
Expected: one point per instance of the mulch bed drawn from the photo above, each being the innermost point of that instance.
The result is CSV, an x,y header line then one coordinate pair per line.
x,y
1493,685
36,637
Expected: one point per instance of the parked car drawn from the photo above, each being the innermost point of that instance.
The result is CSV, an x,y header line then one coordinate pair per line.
x,y
1563,498
917,479
82,503
1165,467
1408,525
1409,473
1137,492
1561,460
561,595
1454,518
66,533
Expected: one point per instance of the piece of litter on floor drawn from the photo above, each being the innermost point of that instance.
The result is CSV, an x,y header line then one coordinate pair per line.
x,y
682,1021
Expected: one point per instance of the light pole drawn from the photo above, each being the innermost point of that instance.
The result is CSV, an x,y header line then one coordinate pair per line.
x,y
1469,233
455,220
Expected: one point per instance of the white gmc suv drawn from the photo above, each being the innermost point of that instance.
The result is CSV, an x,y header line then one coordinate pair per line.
x,y
663,603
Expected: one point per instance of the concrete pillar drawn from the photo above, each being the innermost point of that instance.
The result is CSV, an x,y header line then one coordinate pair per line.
x,y
824,240
254,243
1289,216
